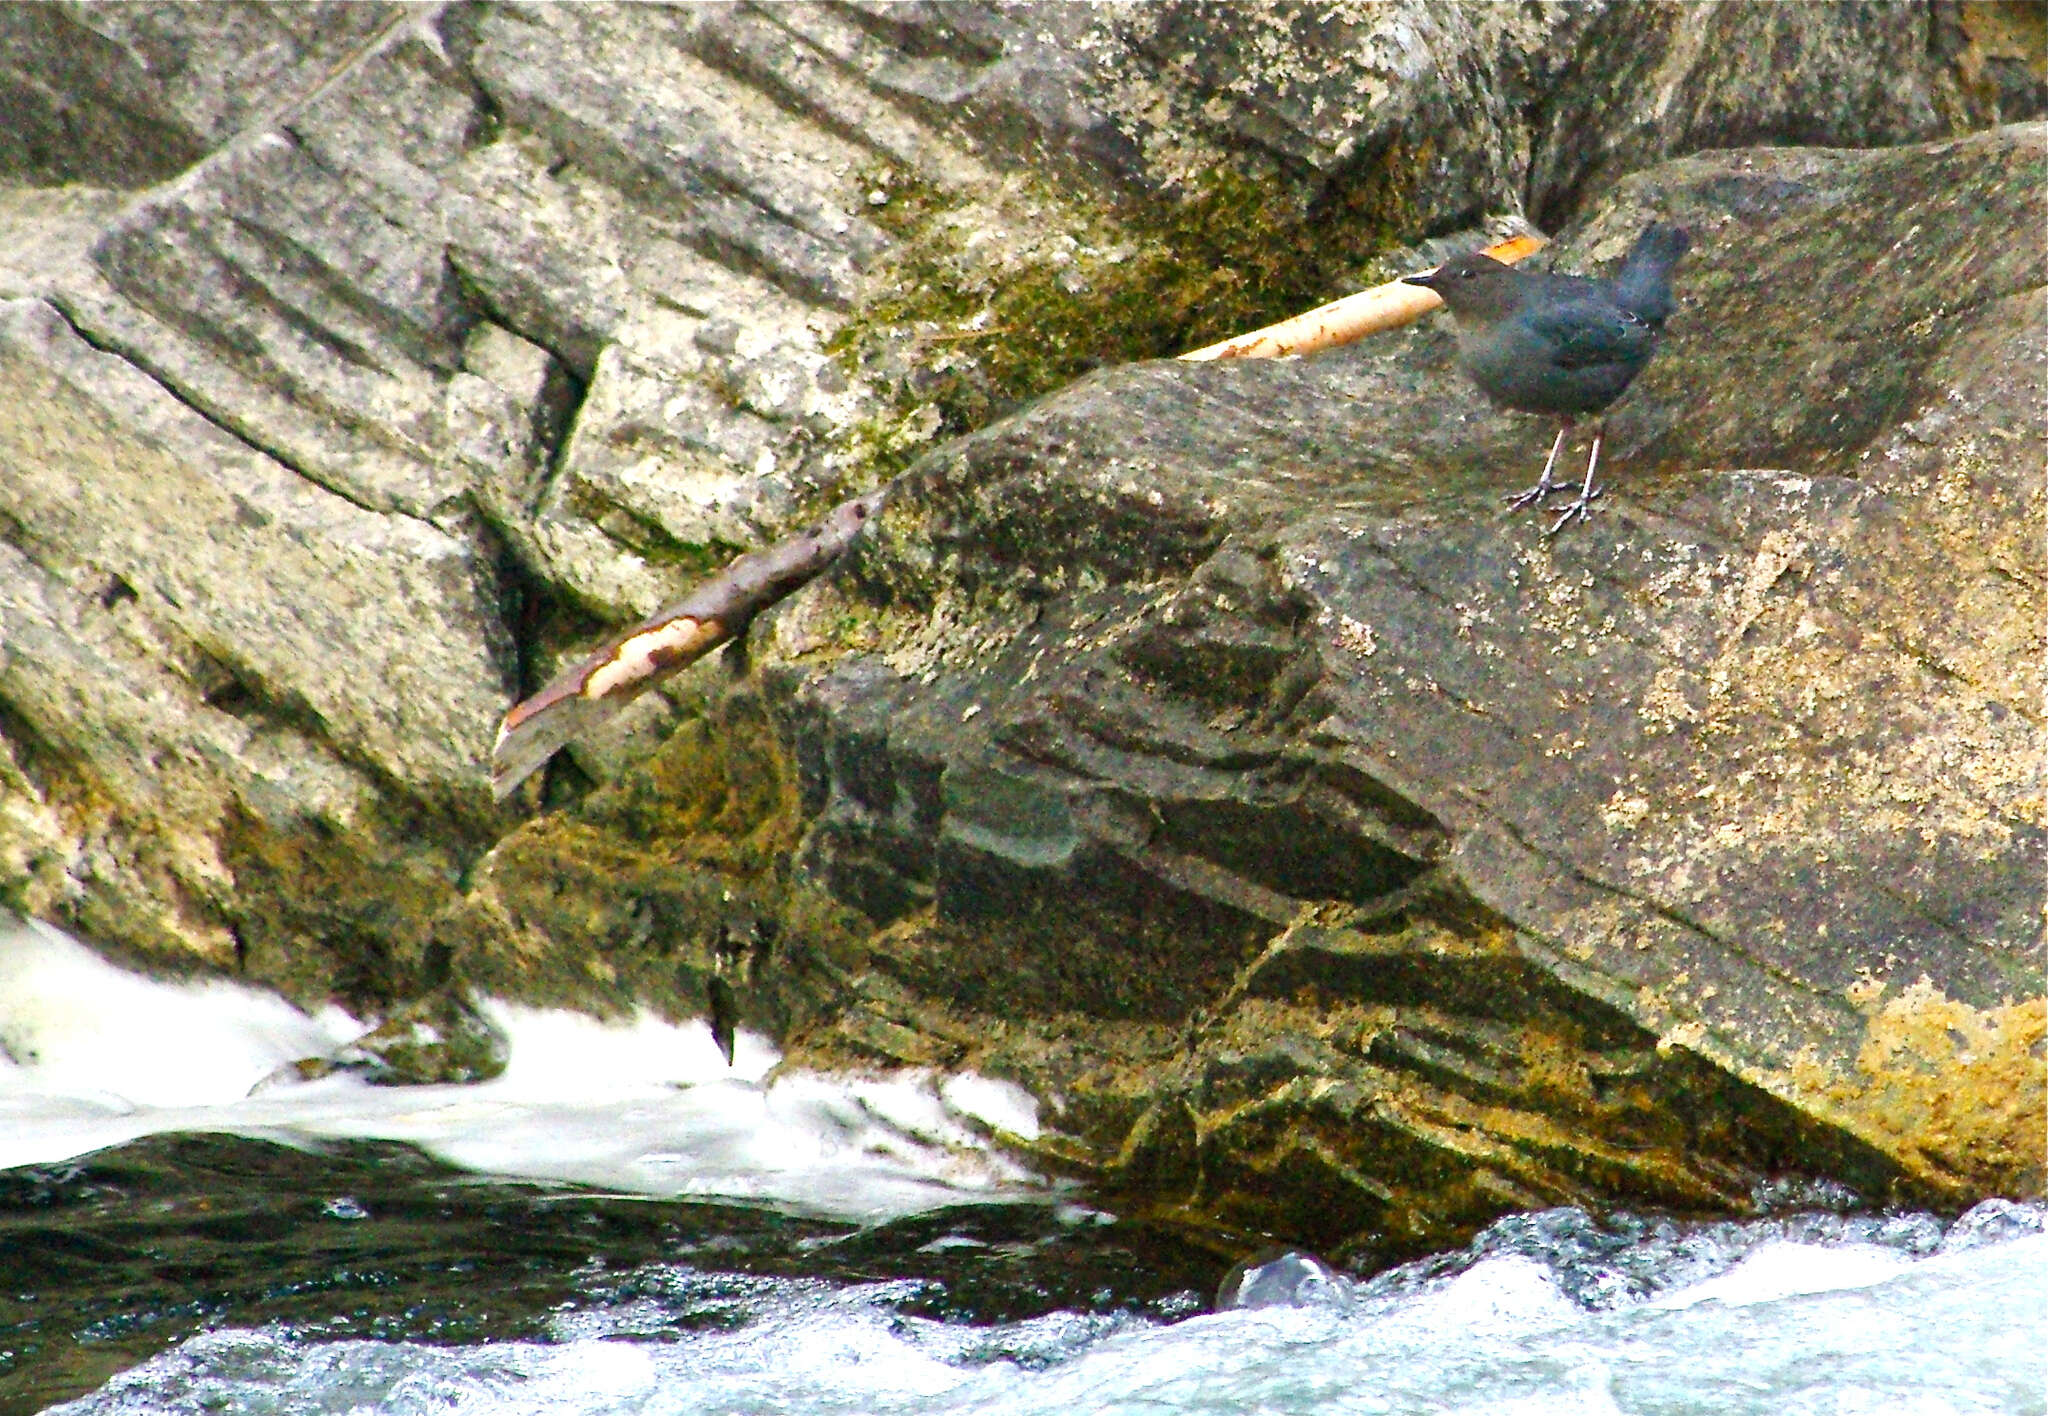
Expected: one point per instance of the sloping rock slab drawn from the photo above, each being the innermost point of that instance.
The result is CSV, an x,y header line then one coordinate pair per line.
x,y
1474,869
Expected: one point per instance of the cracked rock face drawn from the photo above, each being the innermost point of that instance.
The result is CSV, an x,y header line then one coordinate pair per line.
x,y
1195,745
1352,779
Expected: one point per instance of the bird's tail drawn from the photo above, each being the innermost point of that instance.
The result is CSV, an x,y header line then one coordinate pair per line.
x,y
1643,286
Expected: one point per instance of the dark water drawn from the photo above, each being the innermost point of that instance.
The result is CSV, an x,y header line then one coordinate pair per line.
x,y
219,1274
109,1259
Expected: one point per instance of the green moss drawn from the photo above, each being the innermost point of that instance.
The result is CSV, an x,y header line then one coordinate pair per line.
x,y
324,916
673,876
1153,278
875,449
719,792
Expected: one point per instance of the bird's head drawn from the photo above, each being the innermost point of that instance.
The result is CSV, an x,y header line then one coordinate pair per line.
x,y
1475,286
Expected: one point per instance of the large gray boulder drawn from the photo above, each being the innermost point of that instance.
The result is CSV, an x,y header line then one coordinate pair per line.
x,y
1196,745
1407,864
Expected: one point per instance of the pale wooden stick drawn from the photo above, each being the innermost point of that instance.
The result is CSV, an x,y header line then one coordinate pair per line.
x,y
1383,307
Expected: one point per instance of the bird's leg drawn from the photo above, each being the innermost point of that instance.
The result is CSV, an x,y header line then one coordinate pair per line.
x,y
1544,486
1587,493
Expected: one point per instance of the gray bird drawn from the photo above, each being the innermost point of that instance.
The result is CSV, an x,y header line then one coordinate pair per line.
x,y
1564,345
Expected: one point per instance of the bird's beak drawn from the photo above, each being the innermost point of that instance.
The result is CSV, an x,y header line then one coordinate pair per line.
x,y
1427,280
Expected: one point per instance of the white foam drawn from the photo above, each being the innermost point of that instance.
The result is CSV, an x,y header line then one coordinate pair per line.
x,y
1507,1293
1955,1335
999,1105
1781,1269
100,1056
81,1027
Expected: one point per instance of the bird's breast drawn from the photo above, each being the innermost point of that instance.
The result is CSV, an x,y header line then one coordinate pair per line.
x,y
1517,369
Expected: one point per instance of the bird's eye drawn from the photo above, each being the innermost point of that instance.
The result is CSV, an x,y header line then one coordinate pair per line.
x,y
1467,274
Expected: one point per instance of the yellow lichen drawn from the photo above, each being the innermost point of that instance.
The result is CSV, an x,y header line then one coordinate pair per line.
x,y
1962,1090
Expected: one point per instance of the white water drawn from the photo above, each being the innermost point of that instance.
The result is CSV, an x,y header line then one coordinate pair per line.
x,y
1546,1315
1789,1329
92,1056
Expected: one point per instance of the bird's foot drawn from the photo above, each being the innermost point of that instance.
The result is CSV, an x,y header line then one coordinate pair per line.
x,y
1536,494
1582,508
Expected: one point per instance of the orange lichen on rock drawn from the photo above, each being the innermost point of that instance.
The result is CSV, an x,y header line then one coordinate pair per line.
x,y
1964,1089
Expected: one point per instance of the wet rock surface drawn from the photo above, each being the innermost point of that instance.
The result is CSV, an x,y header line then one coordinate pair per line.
x,y
1198,744
439,1038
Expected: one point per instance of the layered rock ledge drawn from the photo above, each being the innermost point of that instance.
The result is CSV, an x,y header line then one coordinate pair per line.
x,y
1198,745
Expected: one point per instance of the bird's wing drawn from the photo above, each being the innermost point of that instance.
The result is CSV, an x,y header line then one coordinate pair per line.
x,y
1587,333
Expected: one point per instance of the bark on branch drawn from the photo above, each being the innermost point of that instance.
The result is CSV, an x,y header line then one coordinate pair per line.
x,y
634,660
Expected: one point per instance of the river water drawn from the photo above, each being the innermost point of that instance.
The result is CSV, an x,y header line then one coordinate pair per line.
x,y
623,1224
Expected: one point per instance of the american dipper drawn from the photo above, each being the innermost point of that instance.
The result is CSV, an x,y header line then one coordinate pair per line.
x,y
1565,345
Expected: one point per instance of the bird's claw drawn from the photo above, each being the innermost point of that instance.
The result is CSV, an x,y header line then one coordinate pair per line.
x,y
1582,508
1535,494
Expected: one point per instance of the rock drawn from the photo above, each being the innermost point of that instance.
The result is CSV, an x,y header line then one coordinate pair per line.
x,y
1482,870
127,95
437,1039
391,353
196,742
1691,77
441,1038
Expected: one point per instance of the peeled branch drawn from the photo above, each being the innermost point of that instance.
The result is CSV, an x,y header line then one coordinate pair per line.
x,y
1383,307
662,645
